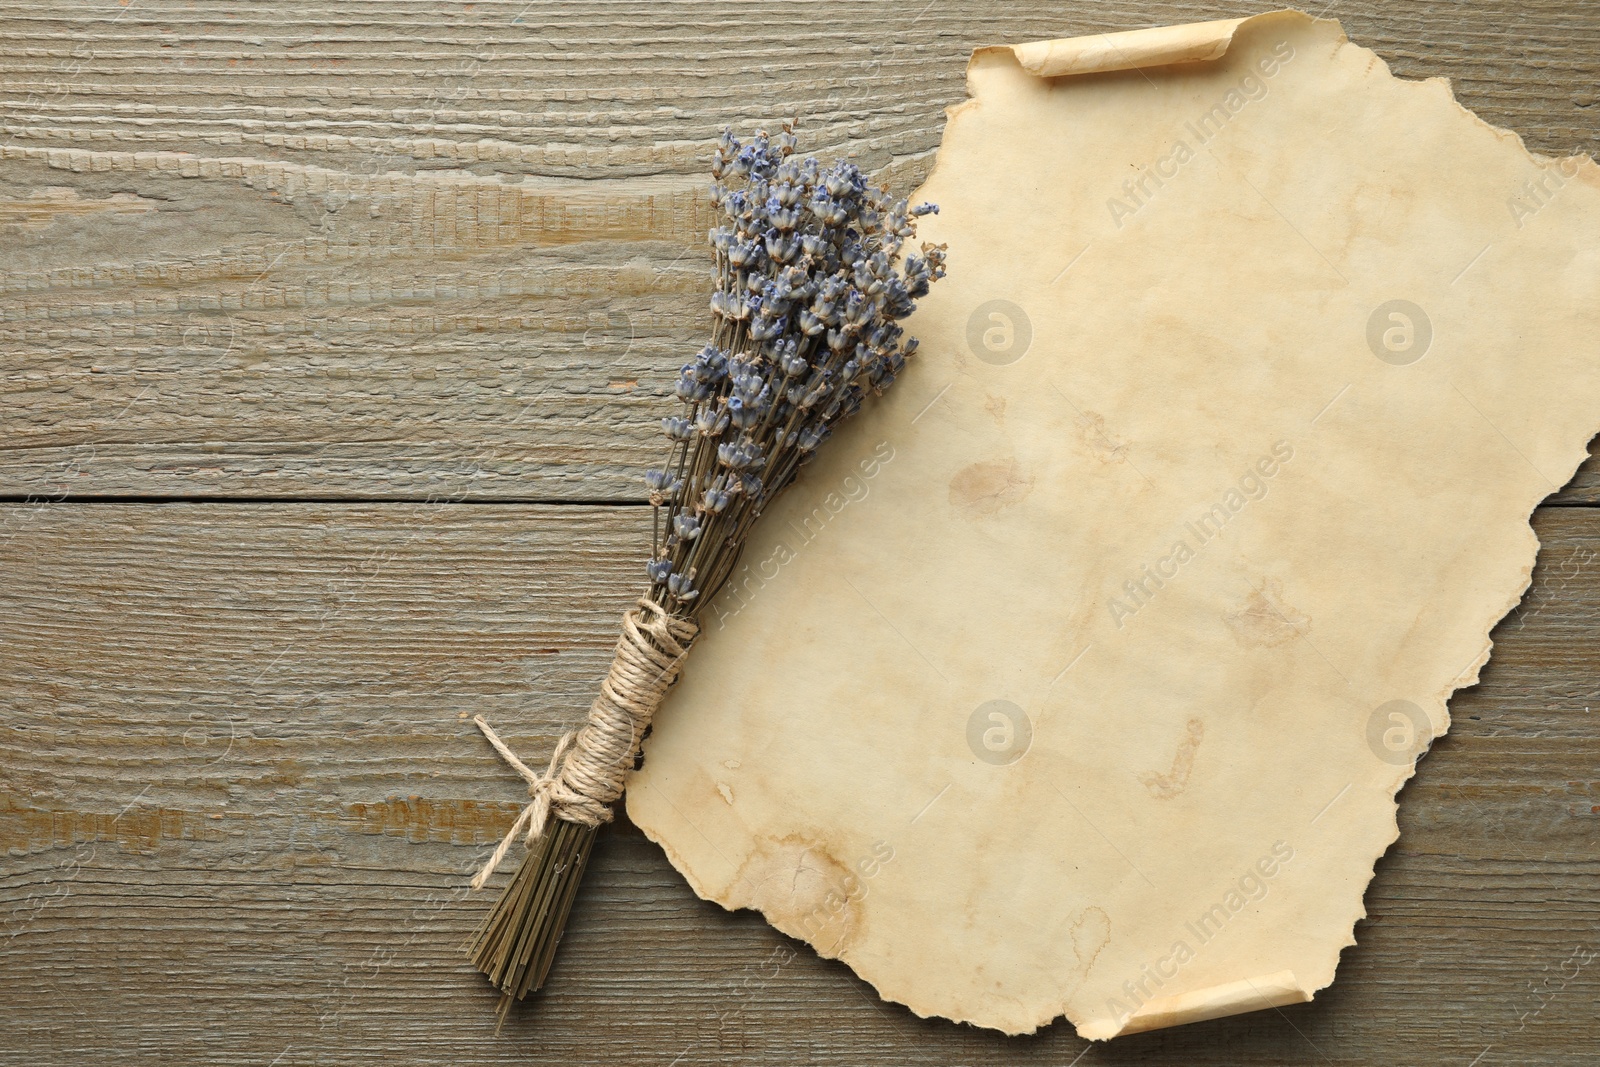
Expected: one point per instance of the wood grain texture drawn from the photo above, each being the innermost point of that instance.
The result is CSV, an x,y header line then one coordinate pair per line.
x,y
403,250
439,261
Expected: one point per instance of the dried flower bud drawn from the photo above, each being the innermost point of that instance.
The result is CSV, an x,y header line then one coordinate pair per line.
x,y
808,394
690,388
738,455
662,486
838,180
711,364
829,212
811,437
814,245
763,328
782,248
711,421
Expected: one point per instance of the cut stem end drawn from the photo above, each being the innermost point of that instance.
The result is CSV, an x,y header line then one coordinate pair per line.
x,y
516,944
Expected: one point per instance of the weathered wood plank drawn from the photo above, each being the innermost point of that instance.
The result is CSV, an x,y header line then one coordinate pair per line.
x,y
398,251
446,252
241,798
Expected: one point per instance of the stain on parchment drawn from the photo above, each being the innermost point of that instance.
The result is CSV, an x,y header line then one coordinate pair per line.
x,y
802,890
1091,932
1091,430
988,487
1266,619
1176,780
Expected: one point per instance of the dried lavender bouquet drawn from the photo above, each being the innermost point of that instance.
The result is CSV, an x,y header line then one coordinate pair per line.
x,y
810,286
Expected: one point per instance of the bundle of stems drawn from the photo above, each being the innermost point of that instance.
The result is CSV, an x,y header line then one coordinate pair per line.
x,y
810,286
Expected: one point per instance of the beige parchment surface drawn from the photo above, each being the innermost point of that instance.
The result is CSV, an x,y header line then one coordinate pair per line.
x,y
1079,675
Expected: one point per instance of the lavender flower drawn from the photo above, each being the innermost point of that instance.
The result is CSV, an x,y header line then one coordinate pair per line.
x,y
812,275
811,280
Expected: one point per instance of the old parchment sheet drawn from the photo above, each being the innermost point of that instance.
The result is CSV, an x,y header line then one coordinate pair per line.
x,y
1079,675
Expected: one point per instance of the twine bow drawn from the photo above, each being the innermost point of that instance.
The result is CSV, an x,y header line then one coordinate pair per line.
x,y
534,817
587,769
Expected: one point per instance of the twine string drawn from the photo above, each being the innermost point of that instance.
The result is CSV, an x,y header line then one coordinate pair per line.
x,y
588,767
533,818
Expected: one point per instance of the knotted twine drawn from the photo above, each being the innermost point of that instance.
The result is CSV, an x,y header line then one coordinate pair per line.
x,y
587,769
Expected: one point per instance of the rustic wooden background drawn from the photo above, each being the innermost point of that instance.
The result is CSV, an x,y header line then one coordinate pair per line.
x,y
332,340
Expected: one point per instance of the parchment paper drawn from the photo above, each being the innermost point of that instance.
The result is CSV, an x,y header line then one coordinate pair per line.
x,y
1079,676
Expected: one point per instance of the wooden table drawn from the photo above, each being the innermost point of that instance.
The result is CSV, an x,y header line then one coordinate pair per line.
x,y
334,337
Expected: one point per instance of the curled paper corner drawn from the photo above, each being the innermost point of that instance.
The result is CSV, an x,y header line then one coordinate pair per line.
x,y
1100,53
1204,42
1276,990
